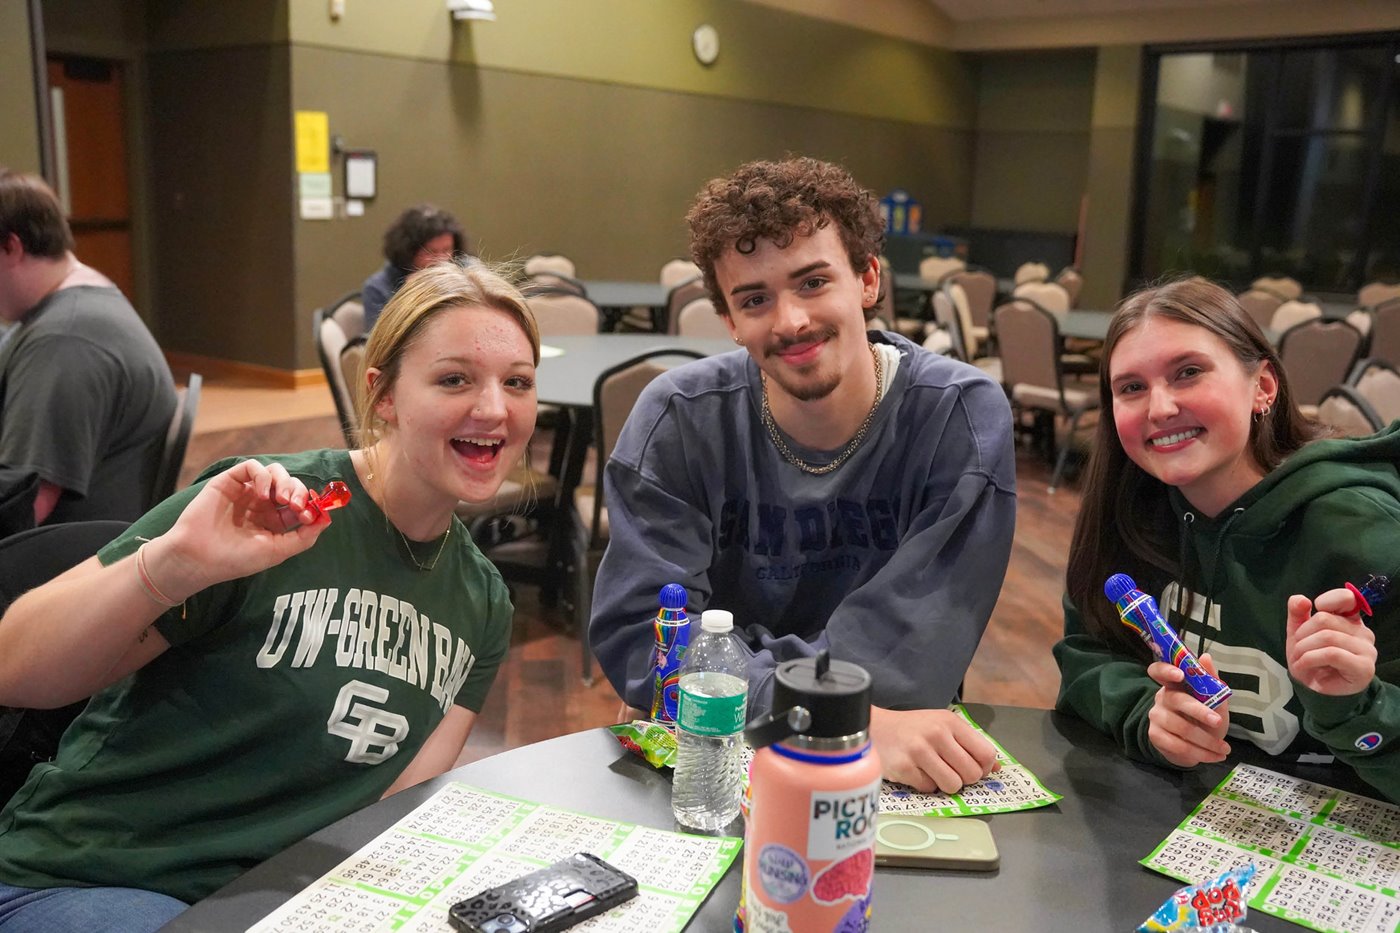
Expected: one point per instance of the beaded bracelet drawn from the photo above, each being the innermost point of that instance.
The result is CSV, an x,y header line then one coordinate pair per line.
x,y
147,584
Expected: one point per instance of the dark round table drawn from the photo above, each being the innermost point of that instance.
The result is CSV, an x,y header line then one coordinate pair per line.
x,y
1071,866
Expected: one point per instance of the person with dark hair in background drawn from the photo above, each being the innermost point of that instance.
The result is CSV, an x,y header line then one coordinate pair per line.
x,y
1210,488
835,488
422,235
86,396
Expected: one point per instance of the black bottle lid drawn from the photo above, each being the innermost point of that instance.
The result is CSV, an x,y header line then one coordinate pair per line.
x,y
835,693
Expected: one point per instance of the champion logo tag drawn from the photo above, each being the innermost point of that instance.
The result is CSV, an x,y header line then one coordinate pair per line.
x,y
1369,741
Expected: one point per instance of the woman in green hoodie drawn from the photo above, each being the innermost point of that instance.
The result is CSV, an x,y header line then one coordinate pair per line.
x,y
1213,491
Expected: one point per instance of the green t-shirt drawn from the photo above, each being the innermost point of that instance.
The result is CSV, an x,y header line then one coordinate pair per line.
x,y
286,700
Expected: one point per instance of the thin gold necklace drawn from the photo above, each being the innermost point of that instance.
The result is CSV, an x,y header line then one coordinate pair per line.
x,y
369,478
851,446
413,557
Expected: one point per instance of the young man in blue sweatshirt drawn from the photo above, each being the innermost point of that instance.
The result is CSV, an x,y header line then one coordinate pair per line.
x,y
833,488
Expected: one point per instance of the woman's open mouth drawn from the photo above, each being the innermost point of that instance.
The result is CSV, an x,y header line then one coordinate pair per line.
x,y
481,451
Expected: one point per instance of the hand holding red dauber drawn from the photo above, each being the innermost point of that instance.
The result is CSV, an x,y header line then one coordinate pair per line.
x,y
1329,650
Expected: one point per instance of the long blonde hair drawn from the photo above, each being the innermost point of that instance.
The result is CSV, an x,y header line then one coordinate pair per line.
x,y
425,294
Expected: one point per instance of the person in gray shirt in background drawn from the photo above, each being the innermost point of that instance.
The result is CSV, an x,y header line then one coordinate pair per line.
x,y
86,396
835,489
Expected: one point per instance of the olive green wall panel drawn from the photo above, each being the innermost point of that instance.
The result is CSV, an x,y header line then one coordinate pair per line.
x,y
765,54
221,143
19,122
1032,149
601,172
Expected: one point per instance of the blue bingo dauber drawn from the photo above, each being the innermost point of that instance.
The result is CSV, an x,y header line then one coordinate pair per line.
x,y
1139,613
1370,593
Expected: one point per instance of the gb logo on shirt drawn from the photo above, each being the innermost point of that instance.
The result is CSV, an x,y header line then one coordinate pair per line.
x,y
1369,742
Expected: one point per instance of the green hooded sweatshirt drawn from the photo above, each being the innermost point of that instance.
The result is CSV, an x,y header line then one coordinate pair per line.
x,y
1328,515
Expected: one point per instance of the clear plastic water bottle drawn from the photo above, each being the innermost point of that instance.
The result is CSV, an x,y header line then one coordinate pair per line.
x,y
714,691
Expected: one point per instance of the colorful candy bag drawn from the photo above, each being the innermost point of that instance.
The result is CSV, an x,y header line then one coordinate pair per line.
x,y
651,740
1217,906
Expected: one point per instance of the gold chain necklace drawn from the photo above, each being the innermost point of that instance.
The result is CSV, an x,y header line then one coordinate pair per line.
x,y
369,478
413,557
851,446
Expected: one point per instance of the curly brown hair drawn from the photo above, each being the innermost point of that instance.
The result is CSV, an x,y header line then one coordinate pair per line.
x,y
414,228
778,201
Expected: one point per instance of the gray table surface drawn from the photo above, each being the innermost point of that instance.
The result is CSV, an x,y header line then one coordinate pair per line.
x,y
1071,866
615,294
567,379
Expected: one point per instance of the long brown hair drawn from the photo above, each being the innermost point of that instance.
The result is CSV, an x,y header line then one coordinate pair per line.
x,y
1125,521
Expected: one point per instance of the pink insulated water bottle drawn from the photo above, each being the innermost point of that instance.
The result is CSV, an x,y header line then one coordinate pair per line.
x,y
809,849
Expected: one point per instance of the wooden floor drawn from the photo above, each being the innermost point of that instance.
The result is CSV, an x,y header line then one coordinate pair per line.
x,y
538,693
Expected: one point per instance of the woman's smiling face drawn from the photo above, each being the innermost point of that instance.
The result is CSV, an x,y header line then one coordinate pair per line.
x,y
1182,405
463,406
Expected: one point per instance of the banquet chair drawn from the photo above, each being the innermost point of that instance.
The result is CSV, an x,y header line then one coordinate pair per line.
x,y
699,319
676,271
1051,296
1348,413
552,281
1259,305
1031,272
1286,288
1293,312
550,262
615,392
1378,382
952,316
27,560
1385,332
332,327
980,286
1317,354
1072,282
560,313
915,327
680,295
937,268
177,441
1374,293
1028,337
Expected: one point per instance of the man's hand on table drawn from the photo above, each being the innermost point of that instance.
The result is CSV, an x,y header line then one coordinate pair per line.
x,y
930,749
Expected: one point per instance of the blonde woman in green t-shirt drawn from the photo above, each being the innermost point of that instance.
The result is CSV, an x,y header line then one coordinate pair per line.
x,y
217,645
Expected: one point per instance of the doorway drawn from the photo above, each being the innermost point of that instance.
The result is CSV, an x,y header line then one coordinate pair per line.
x,y
90,154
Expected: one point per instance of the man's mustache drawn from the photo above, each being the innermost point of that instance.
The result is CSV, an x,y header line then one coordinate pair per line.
x,y
779,344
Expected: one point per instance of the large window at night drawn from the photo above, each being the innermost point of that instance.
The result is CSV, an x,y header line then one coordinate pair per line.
x,y
1280,160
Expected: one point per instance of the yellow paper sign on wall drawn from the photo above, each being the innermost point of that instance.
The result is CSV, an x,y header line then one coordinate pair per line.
x,y
313,130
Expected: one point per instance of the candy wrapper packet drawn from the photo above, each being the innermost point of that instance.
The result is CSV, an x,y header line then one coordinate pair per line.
x,y
1218,906
650,740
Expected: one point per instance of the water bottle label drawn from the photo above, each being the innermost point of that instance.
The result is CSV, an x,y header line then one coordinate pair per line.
x,y
703,715
842,822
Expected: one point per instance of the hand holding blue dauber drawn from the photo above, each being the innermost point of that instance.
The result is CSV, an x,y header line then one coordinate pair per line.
x,y
1139,612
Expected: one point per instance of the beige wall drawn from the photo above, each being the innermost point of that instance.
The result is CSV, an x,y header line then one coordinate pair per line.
x,y
1032,143
1112,139
1242,20
765,54
19,121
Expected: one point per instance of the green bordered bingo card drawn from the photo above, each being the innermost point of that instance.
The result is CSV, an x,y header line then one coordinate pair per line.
x,y
1324,858
1011,788
463,840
